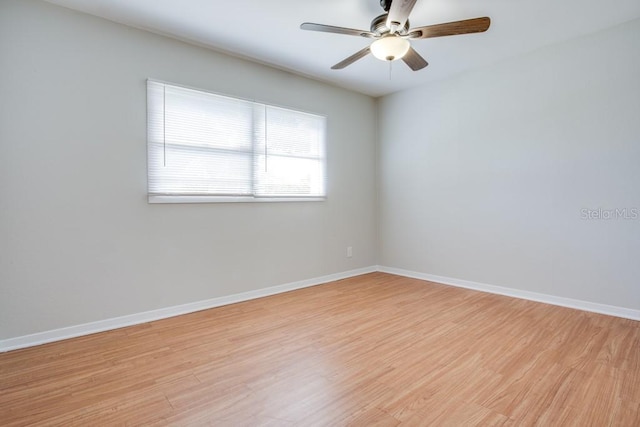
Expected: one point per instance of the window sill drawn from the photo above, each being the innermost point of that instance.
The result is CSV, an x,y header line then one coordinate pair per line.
x,y
230,199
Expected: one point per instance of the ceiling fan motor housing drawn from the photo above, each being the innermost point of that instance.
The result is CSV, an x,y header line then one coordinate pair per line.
x,y
379,26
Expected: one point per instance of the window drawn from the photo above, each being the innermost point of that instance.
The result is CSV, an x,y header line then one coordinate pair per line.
x,y
207,147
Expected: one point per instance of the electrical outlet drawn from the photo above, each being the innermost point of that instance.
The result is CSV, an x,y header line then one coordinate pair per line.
x,y
349,251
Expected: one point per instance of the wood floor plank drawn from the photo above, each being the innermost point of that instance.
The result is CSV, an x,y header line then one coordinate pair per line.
x,y
377,349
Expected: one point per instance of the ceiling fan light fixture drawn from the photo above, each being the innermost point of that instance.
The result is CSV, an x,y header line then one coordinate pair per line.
x,y
390,48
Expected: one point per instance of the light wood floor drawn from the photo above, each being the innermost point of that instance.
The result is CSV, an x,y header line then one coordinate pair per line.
x,y
373,350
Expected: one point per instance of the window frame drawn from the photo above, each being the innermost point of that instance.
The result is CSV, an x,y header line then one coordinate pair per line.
x,y
154,198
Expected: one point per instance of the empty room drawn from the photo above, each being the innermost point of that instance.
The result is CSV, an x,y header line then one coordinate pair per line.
x,y
329,213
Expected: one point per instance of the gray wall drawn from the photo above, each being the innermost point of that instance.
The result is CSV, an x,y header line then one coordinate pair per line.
x,y
78,241
481,177
484,176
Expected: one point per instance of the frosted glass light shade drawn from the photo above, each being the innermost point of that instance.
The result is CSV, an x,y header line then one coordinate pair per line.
x,y
390,48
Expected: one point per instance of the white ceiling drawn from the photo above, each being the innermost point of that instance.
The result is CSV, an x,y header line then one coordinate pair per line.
x,y
268,31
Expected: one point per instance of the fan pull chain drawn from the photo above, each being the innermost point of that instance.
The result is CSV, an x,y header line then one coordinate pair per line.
x,y
390,65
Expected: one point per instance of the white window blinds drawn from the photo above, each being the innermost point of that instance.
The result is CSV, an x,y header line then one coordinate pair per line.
x,y
218,148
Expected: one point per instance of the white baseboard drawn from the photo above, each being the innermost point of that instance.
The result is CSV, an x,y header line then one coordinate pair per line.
x,y
610,310
163,313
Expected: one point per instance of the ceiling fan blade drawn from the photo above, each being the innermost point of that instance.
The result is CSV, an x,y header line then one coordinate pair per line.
x,y
353,58
399,13
310,26
468,26
414,60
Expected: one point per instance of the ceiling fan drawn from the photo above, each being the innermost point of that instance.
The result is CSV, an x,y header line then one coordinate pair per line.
x,y
391,34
